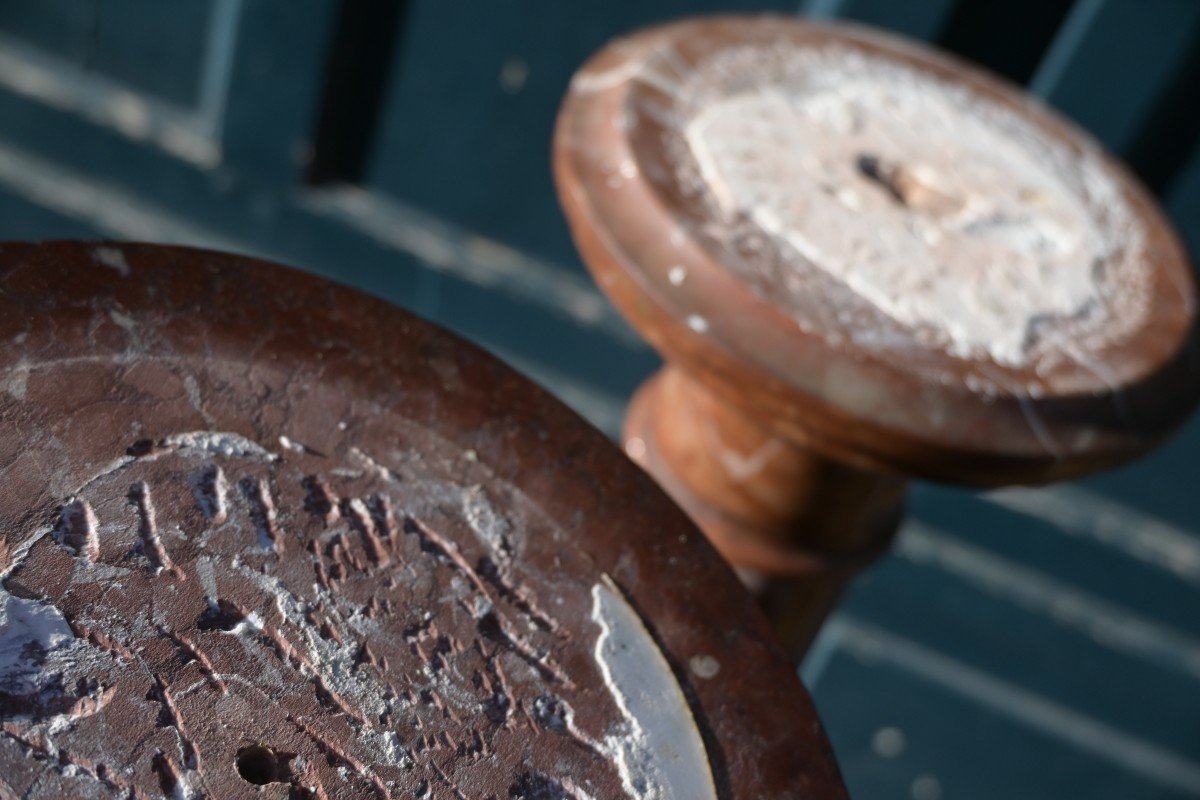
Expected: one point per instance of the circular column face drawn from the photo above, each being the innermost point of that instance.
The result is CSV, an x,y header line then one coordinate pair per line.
x,y
890,253
267,536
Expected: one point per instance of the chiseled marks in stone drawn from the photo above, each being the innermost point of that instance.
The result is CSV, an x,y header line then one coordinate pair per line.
x,y
952,215
18,553
297,447
205,573
330,664
489,525
211,490
37,646
28,630
219,443
77,528
371,463
262,510
482,622
659,753
151,543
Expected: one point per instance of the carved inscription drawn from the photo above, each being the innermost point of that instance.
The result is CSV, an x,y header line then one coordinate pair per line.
x,y
210,614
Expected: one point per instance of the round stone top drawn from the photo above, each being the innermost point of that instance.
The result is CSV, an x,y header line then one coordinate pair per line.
x,y
264,536
918,266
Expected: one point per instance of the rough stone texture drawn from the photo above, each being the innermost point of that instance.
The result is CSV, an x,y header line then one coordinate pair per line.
x,y
946,212
267,537
878,250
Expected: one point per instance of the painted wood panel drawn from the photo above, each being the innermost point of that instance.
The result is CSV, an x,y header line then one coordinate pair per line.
x,y
157,48
1112,61
918,20
470,110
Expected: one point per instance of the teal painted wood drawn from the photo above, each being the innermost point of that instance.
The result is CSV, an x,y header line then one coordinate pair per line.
x,y
918,20
1083,539
472,101
1006,36
1184,201
1031,629
1165,482
1112,61
31,221
942,729
268,70
152,47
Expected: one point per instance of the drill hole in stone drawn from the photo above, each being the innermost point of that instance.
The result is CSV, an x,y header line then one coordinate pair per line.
x,y
224,616
260,765
910,186
871,168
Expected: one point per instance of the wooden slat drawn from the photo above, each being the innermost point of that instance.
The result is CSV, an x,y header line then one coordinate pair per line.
x,y
469,114
1009,37
910,721
362,51
1113,59
275,73
923,19
148,45
1183,201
